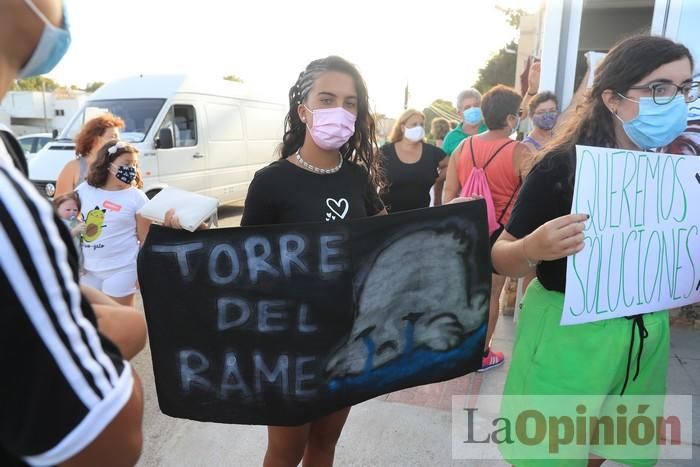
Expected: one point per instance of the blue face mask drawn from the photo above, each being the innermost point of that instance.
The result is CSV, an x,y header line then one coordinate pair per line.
x,y
472,116
52,46
545,121
656,125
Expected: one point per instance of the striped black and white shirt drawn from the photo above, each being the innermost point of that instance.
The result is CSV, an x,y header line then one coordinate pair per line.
x,y
62,382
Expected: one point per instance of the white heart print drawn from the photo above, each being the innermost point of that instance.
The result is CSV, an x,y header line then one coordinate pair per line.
x,y
339,208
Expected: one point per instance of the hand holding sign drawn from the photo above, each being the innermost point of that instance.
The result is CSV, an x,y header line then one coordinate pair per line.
x,y
558,238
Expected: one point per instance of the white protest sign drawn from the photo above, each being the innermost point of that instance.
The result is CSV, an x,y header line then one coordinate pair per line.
x,y
642,241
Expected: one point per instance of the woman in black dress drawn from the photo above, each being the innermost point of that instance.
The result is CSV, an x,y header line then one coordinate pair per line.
x,y
411,166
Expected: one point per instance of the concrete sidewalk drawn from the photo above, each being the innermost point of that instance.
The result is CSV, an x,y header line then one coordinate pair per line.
x,y
407,428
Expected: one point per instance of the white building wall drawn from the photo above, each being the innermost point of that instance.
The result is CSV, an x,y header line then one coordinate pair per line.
x,y
64,109
28,104
36,112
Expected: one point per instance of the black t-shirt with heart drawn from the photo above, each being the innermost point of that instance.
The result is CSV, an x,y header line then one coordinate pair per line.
x,y
283,193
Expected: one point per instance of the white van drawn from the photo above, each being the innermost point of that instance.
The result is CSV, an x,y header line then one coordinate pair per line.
x,y
207,137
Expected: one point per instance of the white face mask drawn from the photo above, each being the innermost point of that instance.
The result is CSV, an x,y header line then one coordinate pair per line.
x,y
414,134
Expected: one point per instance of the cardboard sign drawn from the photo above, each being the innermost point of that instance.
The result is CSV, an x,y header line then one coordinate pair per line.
x,y
642,250
279,325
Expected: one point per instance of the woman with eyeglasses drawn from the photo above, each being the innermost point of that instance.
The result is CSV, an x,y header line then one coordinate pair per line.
x,y
543,111
638,101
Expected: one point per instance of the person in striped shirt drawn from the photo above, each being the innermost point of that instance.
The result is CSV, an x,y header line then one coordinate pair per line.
x,y
67,395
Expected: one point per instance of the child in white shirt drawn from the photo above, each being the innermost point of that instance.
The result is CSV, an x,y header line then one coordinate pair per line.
x,y
113,231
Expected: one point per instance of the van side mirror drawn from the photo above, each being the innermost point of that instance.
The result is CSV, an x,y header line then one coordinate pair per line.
x,y
165,139
54,134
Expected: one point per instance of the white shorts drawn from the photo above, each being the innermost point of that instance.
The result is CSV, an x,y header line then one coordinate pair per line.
x,y
115,282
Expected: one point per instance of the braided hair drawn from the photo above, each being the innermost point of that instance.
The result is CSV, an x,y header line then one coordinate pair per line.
x,y
362,147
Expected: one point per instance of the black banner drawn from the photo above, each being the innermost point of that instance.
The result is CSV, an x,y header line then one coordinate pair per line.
x,y
278,325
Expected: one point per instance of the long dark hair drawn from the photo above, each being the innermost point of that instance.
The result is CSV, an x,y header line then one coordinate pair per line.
x,y
626,64
362,146
99,170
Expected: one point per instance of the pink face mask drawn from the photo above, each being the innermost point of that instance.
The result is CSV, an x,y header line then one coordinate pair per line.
x,y
332,127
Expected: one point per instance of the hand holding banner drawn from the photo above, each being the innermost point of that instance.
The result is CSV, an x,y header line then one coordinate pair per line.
x,y
279,325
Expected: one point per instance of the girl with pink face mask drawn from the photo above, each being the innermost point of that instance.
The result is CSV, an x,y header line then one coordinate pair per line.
x,y
328,171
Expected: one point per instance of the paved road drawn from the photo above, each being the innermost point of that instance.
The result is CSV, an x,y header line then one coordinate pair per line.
x,y
230,215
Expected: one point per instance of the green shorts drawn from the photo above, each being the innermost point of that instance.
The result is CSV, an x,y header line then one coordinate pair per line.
x,y
585,359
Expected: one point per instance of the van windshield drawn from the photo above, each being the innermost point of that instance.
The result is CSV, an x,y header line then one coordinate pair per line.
x,y
138,116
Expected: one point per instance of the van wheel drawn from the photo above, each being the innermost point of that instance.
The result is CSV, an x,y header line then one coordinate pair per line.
x,y
152,193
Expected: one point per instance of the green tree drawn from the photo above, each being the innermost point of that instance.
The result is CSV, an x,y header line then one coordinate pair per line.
x,y
94,86
500,69
34,84
234,78
439,108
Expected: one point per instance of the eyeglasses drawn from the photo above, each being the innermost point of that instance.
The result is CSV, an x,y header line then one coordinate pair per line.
x,y
663,93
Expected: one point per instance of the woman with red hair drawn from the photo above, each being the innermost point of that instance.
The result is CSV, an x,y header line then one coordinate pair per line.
x,y
95,133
